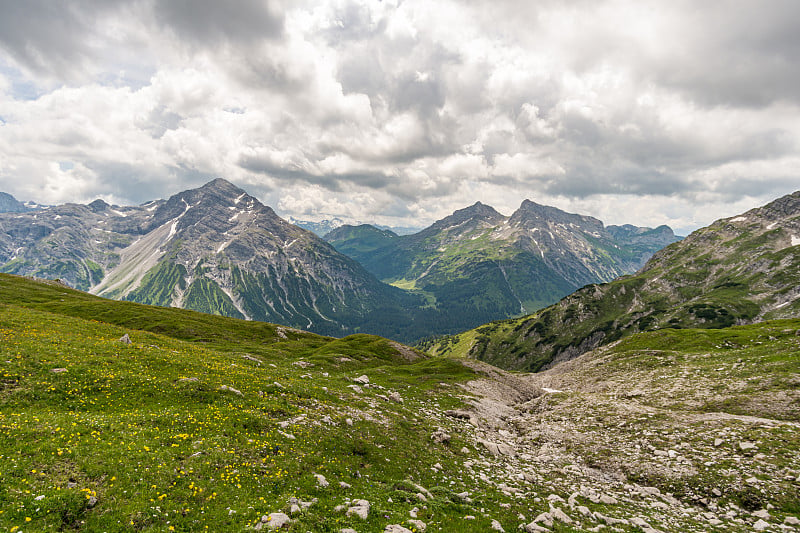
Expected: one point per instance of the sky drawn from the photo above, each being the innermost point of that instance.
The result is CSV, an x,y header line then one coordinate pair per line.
x,y
398,112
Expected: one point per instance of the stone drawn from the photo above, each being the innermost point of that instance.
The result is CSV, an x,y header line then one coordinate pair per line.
x,y
761,513
395,397
355,388
533,527
360,508
274,521
321,481
718,443
303,364
497,526
58,370
362,380
608,500
760,525
440,436
419,525
125,339
348,530
746,446
544,518
251,358
584,511
560,515
226,388
188,380
344,485
91,502
396,528
640,522
792,520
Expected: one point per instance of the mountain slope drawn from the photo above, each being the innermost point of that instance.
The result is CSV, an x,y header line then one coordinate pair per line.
x,y
477,265
738,270
9,204
207,423
213,249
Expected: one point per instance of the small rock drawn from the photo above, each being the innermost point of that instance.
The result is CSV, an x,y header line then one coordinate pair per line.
x,y
465,450
718,443
287,435
187,380
583,510
38,498
348,421
231,389
303,364
533,527
440,436
413,512
751,480
58,370
321,481
363,380
125,339
355,388
344,485
544,518
274,521
396,528
716,492
419,525
497,526
608,500
251,358
746,446
761,513
640,522
792,520
560,515
348,530
91,502
295,509
395,397
360,508
760,525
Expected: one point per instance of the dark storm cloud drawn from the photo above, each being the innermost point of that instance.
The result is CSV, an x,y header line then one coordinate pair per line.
x,y
331,181
208,22
50,37
737,53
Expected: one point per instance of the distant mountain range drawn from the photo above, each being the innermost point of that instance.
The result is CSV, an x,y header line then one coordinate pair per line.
x,y
323,227
219,250
479,264
738,270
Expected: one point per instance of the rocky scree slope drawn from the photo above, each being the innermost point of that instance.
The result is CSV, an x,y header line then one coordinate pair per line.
x,y
478,265
213,249
738,270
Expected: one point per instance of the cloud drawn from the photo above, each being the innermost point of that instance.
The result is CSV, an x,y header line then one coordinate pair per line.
x,y
405,110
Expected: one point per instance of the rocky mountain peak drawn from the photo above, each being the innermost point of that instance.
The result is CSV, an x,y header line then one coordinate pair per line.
x,y
477,212
9,204
531,212
98,205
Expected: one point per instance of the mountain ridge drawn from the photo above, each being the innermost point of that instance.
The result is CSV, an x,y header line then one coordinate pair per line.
x,y
738,270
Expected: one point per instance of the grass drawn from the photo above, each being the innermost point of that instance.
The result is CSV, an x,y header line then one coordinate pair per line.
x,y
146,437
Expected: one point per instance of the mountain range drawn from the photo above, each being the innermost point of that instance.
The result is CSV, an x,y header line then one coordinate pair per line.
x,y
738,270
478,264
217,249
